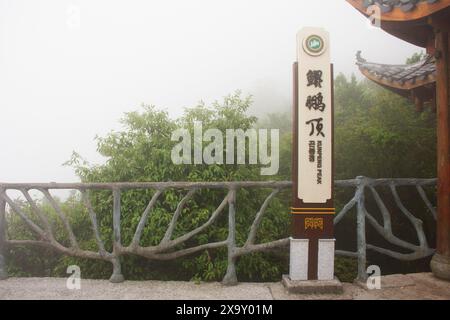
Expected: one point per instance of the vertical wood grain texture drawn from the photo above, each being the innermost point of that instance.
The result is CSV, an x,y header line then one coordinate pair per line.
x,y
443,144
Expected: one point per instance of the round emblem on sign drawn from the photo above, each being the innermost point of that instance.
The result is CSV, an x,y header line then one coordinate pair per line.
x,y
314,45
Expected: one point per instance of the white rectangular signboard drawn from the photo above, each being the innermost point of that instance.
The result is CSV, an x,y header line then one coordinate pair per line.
x,y
315,141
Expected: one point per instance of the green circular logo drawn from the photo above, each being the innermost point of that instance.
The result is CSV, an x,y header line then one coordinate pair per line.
x,y
314,45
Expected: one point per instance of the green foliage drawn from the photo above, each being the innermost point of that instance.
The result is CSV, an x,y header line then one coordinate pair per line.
x,y
379,134
416,57
142,152
346,269
40,261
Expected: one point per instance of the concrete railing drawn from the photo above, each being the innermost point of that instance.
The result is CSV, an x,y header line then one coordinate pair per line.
x,y
168,247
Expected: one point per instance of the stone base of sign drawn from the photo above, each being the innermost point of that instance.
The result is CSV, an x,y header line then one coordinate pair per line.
x,y
298,266
440,265
325,265
312,286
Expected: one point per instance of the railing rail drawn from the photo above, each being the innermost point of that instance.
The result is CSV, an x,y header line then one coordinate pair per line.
x,y
167,247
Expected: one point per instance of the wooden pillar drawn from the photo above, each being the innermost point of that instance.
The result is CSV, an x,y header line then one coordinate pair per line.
x,y
418,102
441,261
433,103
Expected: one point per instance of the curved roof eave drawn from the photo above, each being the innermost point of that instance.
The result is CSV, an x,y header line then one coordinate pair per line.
x,y
400,77
401,10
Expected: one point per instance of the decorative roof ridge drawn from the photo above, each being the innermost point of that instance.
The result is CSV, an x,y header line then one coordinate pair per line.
x,y
389,5
400,10
416,74
426,60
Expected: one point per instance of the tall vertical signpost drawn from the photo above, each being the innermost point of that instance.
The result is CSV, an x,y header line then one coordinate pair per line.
x,y
312,244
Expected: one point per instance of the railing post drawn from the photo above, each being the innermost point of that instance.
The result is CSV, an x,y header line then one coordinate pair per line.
x,y
3,272
230,277
361,230
117,276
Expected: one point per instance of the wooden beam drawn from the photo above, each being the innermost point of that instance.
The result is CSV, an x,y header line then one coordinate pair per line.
x,y
418,102
417,32
440,21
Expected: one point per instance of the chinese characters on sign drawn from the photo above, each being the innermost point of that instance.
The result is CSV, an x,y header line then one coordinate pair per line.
x,y
314,119
315,103
314,223
315,78
316,127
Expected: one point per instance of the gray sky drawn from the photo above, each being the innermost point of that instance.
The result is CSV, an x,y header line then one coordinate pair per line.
x,y
62,83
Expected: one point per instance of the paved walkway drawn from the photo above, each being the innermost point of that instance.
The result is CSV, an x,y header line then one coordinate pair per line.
x,y
412,286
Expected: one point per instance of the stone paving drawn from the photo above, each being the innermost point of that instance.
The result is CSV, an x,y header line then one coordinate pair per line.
x,y
413,286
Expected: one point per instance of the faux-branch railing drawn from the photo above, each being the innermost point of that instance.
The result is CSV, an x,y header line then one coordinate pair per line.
x,y
167,248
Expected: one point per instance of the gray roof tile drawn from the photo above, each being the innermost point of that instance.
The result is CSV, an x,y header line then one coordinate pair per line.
x,y
400,74
389,5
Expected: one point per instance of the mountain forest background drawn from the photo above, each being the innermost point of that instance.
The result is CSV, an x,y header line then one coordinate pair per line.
x,y
378,134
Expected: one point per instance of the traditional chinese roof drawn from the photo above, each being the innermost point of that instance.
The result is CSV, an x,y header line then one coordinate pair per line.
x,y
404,5
396,10
416,80
407,19
405,77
